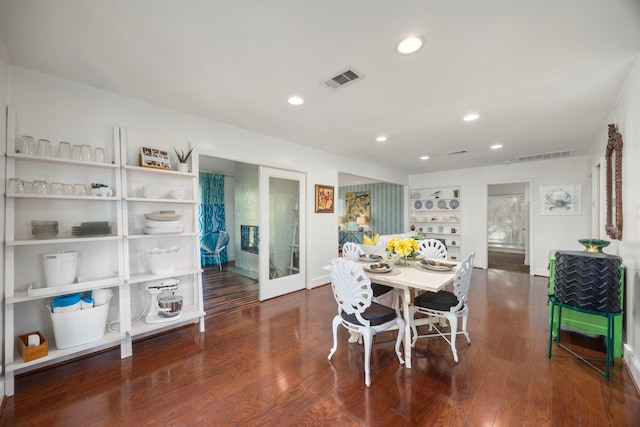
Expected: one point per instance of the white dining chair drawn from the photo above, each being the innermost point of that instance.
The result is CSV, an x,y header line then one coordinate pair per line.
x,y
432,248
357,313
351,251
446,304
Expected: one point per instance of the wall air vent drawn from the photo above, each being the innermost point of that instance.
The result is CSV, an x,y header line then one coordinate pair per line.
x,y
344,78
544,156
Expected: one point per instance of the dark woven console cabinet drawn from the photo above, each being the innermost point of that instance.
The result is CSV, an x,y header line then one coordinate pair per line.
x,y
588,280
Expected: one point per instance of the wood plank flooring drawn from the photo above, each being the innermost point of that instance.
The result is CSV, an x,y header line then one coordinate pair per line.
x,y
265,364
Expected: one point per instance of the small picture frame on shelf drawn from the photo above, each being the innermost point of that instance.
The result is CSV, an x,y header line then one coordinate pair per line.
x,y
324,198
154,158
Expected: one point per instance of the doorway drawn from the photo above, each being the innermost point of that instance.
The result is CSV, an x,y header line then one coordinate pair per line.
x,y
508,226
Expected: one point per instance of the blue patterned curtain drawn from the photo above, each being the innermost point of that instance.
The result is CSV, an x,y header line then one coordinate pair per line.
x,y
211,213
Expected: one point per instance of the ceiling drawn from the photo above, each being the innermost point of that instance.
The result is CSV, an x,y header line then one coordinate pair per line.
x,y
542,74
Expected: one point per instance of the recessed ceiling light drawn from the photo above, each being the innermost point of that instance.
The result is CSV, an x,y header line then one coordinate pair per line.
x,y
424,157
381,138
296,100
471,117
496,146
409,45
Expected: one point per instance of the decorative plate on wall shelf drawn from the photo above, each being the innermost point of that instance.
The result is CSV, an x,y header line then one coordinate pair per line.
x,y
442,204
454,204
417,204
428,204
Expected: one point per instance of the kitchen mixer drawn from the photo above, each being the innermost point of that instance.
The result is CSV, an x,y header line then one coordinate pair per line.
x,y
165,305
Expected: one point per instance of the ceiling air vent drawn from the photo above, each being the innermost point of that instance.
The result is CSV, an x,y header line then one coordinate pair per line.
x,y
457,152
545,156
344,78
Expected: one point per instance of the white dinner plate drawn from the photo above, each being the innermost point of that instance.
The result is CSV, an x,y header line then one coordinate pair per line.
x,y
385,268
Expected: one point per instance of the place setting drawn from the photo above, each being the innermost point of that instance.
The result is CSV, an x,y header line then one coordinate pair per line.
x,y
436,265
380,268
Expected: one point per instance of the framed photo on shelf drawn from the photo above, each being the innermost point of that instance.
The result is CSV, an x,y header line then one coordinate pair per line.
x,y
154,158
325,198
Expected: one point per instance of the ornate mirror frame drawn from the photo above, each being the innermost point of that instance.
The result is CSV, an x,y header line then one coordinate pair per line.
x,y
613,227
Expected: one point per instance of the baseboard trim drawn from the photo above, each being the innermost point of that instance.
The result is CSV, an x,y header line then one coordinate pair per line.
x,y
633,365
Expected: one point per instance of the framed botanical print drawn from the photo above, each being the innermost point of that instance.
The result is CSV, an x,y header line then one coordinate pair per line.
x,y
324,198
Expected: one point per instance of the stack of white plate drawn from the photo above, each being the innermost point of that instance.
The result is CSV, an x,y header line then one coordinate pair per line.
x,y
163,223
44,229
152,191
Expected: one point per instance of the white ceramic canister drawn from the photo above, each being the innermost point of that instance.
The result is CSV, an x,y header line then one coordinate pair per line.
x,y
60,268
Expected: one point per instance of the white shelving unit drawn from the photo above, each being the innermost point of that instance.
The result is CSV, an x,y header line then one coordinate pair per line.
x,y
435,213
26,295
136,243
115,261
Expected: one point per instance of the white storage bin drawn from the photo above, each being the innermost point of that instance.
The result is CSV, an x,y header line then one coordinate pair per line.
x,y
79,327
163,263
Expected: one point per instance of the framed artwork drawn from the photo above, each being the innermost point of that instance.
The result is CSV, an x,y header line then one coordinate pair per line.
x,y
357,204
561,199
325,197
154,158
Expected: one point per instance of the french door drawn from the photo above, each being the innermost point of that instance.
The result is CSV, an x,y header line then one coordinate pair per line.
x,y
282,232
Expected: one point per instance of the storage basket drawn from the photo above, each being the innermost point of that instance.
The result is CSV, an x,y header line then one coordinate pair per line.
x,y
79,327
163,263
587,280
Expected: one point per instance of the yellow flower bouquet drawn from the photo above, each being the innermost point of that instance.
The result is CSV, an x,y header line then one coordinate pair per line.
x,y
403,248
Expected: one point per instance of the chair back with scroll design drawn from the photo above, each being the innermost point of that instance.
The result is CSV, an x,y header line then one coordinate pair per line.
x,y
351,250
357,313
446,304
432,248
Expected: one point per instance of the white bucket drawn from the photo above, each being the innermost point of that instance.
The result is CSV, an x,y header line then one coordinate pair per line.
x,y
60,268
163,262
73,328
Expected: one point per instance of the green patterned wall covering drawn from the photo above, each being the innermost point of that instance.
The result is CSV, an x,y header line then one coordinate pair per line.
x,y
387,206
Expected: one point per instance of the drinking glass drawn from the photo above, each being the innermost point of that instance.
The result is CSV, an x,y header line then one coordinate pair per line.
x,y
64,150
44,148
39,186
76,152
85,153
79,190
28,145
67,189
56,188
16,185
98,155
28,187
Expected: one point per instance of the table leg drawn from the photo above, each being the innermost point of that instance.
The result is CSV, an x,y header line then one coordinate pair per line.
x,y
407,327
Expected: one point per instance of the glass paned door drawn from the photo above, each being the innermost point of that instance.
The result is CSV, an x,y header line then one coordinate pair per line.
x,y
282,267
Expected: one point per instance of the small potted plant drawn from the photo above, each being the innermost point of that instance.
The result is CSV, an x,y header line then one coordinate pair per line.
x,y
183,158
101,190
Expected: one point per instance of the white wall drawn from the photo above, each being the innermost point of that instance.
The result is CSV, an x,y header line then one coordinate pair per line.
x,y
547,231
147,124
625,114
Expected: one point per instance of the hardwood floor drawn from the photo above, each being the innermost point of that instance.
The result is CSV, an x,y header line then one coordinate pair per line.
x,y
266,364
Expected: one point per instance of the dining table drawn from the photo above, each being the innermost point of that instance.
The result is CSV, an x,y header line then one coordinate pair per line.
x,y
416,276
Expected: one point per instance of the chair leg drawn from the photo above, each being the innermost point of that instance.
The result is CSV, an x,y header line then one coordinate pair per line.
x,y
465,317
453,321
412,322
335,323
368,340
400,324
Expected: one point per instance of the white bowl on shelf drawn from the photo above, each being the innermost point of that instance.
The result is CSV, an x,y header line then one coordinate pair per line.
x,y
162,261
152,191
178,193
